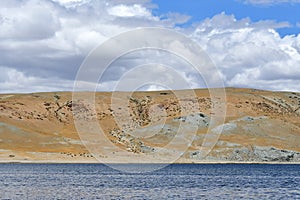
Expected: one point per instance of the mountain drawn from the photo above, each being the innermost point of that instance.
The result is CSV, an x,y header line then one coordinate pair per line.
x,y
184,126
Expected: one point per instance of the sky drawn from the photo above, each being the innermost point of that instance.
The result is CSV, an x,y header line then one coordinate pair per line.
x,y
253,43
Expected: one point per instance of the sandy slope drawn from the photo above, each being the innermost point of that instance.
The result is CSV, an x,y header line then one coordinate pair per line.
x,y
260,126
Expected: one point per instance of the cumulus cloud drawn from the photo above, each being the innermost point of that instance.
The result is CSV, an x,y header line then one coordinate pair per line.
x,y
13,81
28,21
135,10
251,54
43,43
50,39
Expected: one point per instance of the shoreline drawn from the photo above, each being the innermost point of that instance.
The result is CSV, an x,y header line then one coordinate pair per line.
x,y
177,163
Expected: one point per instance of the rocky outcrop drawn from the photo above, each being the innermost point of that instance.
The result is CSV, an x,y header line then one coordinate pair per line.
x,y
140,110
131,143
263,154
250,154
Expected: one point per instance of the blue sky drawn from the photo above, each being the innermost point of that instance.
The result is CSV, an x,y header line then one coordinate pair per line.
x,y
199,10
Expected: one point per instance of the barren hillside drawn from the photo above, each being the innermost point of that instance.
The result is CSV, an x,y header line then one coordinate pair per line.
x,y
260,126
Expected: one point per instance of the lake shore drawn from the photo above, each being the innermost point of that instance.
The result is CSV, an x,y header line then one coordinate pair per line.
x,y
95,162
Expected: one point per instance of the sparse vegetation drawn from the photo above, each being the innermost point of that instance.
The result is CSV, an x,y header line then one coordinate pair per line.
x,y
265,120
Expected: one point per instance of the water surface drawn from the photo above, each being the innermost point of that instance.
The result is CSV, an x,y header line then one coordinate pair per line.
x,y
177,181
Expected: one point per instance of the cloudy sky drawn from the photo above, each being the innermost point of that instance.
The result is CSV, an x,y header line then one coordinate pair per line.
x,y
253,43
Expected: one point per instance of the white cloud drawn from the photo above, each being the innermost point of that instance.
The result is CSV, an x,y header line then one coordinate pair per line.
x,y
135,10
71,3
249,53
28,20
13,81
50,38
45,45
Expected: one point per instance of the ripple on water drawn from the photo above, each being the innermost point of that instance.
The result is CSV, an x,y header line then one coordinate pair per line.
x,y
92,181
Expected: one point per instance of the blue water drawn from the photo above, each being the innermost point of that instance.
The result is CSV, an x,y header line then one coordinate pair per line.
x,y
184,181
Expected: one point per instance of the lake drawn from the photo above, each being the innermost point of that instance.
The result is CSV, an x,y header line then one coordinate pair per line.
x,y
176,181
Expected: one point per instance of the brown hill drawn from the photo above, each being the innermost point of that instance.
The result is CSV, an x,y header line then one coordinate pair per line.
x,y
162,126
